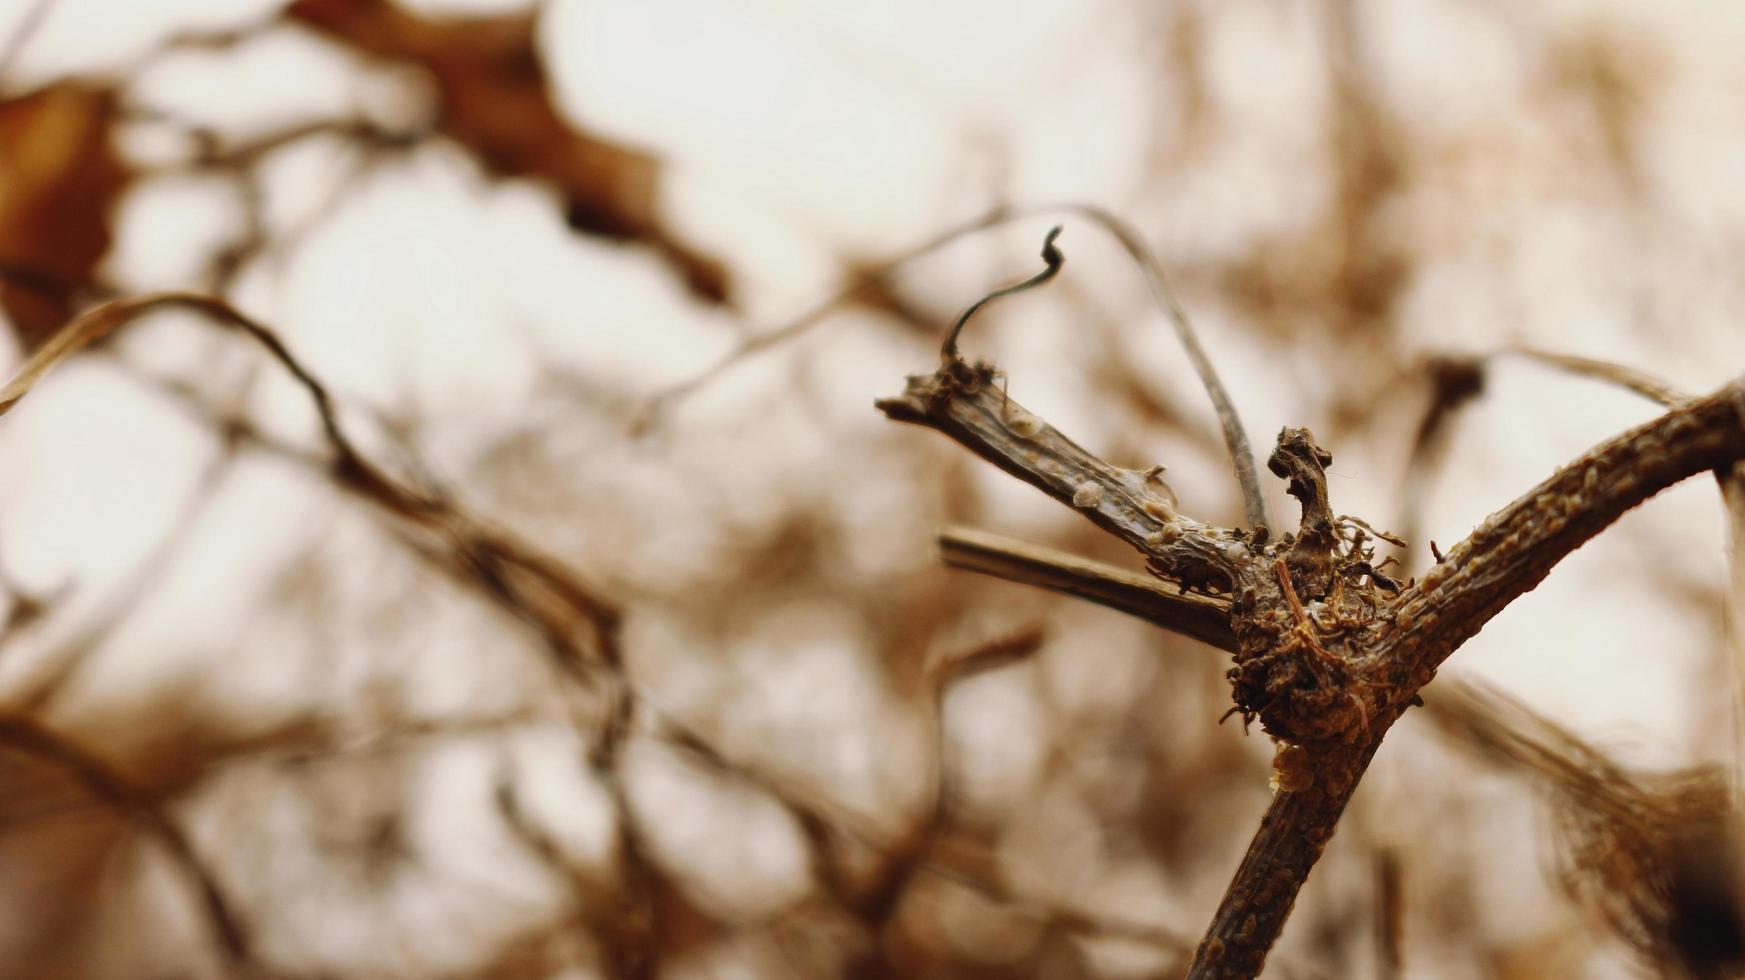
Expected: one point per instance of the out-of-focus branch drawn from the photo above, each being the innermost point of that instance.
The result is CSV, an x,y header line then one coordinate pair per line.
x,y
114,791
25,29
1390,916
530,584
1640,382
1654,853
539,590
776,336
579,627
924,850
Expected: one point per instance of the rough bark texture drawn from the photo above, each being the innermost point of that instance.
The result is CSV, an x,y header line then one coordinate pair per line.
x,y
1328,652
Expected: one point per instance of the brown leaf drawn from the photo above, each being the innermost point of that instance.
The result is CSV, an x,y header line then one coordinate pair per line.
x,y
59,180
493,98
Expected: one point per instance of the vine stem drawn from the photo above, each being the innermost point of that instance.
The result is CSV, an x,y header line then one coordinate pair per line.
x,y
1394,654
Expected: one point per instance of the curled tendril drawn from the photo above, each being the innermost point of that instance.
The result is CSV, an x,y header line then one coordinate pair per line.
x,y
1050,254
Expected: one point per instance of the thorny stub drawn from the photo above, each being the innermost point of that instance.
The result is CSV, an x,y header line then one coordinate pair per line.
x,y
1305,607
1304,610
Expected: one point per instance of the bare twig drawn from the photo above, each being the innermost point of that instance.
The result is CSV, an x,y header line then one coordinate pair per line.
x,y
1334,683
1235,436
1052,259
1640,382
775,337
1204,618
1390,916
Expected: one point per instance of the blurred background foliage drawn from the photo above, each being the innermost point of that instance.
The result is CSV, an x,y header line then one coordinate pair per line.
x,y
628,652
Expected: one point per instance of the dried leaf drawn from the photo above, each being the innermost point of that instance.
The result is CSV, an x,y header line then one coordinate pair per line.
x,y
59,180
493,98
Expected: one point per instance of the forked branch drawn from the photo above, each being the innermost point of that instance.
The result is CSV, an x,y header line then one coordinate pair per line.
x,y
1328,653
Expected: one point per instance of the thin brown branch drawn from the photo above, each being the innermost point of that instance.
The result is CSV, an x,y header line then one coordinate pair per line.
x,y
579,627
1390,916
776,336
532,585
1640,382
1052,260
1235,437
1229,421
626,940
968,405
1204,618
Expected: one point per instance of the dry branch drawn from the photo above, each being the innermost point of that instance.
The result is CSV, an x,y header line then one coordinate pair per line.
x,y
1328,654
531,585
579,626
1638,845
1229,422
1514,549
1204,618
1653,853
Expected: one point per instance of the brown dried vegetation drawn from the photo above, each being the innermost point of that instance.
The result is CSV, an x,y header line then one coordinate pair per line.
x,y
622,688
